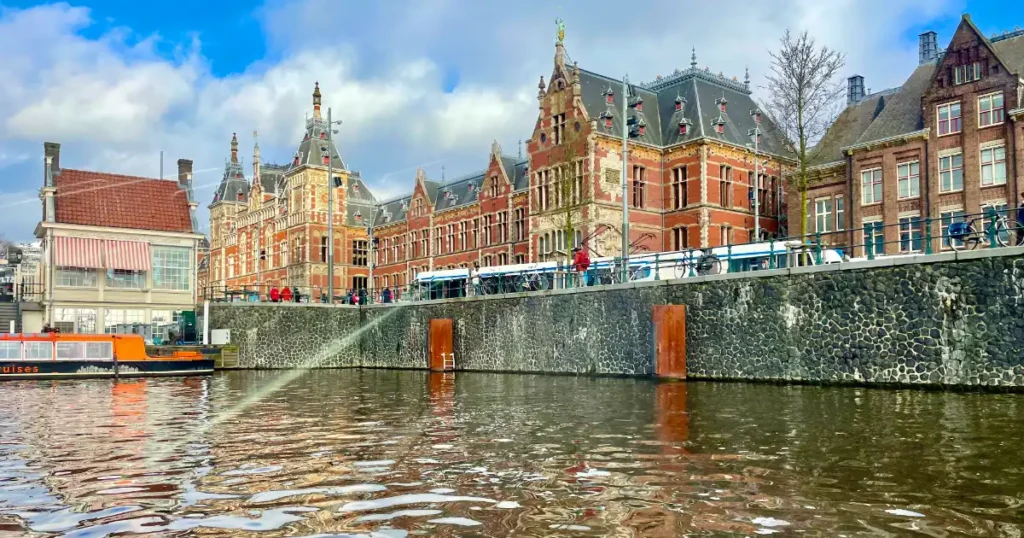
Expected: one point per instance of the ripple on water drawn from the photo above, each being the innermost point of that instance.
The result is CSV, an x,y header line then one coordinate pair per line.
x,y
381,454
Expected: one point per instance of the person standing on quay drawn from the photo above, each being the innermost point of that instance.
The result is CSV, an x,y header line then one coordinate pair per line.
x,y
286,295
580,264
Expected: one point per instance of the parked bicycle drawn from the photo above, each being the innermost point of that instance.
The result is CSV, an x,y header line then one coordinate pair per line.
x,y
969,234
705,264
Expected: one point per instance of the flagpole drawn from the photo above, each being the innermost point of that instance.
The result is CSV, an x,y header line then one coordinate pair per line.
x,y
625,190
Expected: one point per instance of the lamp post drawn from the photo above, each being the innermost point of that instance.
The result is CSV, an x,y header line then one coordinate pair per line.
x,y
625,152
372,250
330,205
756,134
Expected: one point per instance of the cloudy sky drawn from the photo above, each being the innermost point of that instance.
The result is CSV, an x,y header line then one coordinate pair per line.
x,y
418,83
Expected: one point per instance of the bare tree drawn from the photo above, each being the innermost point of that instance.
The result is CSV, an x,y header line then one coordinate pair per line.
x,y
804,98
569,195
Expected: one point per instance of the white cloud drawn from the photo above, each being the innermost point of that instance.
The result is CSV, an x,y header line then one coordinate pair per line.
x,y
115,104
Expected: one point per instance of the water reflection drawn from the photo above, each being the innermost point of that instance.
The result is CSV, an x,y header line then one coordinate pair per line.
x,y
386,454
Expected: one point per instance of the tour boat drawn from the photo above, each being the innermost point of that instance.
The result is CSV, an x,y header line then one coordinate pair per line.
x,y
56,355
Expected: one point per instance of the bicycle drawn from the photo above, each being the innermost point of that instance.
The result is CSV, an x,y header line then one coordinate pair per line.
x,y
965,234
706,264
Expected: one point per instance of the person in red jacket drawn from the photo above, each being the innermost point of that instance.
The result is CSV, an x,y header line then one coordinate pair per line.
x,y
580,264
275,295
286,294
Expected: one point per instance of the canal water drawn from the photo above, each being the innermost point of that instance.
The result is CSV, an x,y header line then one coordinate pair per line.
x,y
375,453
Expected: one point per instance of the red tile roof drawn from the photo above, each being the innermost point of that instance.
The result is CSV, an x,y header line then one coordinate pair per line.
x,y
116,201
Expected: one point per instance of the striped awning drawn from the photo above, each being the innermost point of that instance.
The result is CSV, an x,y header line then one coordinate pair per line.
x,y
78,252
127,255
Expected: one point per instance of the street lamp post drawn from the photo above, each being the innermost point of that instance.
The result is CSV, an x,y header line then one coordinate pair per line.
x,y
756,134
371,251
625,190
331,208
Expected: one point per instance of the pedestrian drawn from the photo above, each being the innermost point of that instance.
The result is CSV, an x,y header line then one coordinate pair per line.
x,y
362,295
295,292
386,296
286,294
275,295
580,264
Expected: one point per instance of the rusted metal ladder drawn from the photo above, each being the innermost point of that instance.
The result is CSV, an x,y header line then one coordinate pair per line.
x,y
449,362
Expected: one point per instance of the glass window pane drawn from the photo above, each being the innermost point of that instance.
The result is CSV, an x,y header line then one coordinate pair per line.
x,y
38,350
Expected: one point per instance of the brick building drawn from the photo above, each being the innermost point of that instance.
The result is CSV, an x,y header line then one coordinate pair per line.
x,y
690,184
948,142
273,230
691,168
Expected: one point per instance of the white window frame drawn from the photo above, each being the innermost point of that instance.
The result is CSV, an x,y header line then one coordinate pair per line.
x,y
910,231
949,120
951,155
961,72
864,199
912,179
172,268
944,213
11,350
991,110
879,230
992,162
823,211
31,351
76,277
840,214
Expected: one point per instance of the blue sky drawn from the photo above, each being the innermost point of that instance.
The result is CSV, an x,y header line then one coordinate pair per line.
x,y
425,83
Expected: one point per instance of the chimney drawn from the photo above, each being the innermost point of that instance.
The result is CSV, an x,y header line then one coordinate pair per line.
x,y
928,47
854,89
184,172
52,150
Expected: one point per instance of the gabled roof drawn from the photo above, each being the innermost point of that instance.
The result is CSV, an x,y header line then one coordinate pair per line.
x,y
902,114
459,193
116,201
699,93
848,127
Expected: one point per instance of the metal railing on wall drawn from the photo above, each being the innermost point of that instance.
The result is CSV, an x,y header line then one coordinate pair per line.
x,y
910,236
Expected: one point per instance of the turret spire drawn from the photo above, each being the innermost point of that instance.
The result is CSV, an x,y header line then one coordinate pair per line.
x,y
234,147
693,59
256,157
316,101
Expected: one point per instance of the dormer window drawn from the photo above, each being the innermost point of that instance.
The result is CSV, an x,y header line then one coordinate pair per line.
x,y
721,102
638,104
241,197
684,126
358,216
679,103
609,96
327,159
962,74
756,115
641,129
355,187
607,117
719,125
323,135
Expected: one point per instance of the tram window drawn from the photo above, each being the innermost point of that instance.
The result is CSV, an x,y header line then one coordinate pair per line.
x,y
10,350
70,350
38,350
99,350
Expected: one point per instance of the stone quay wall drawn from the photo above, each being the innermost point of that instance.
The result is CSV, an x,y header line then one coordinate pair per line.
x,y
953,319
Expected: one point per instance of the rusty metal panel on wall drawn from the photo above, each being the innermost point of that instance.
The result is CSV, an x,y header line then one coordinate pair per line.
x,y
441,349
670,340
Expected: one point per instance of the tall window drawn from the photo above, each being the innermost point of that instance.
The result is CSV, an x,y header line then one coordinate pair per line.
x,y
840,213
502,226
395,241
725,185
726,235
543,189
474,233
324,244
993,166
172,268
360,249
359,282
963,74
449,239
679,239
679,178
871,186
951,172
559,127
437,241
874,238
577,183
117,321
990,109
462,235
424,243
76,277
488,221
519,224
494,187
639,187
503,259
910,234
949,118
125,280
823,214
417,207
908,179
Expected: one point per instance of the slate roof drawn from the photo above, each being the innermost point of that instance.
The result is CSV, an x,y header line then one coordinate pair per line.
x,y
453,194
116,201
849,126
902,114
1010,48
232,184
313,147
361,203
698,91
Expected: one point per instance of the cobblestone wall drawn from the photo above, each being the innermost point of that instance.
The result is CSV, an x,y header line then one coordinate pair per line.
x,y
956,320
